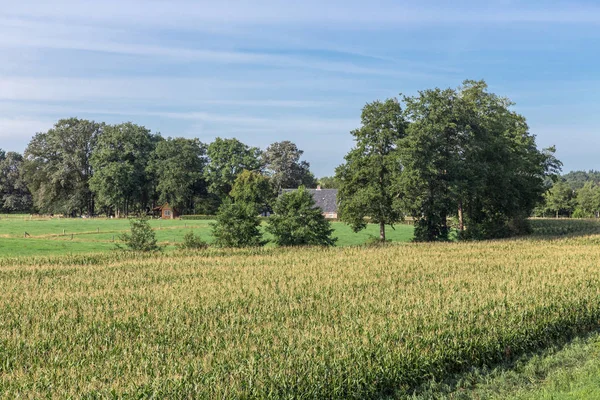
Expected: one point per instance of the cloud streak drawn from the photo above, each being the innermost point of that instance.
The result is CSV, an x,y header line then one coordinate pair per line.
x,y
203,15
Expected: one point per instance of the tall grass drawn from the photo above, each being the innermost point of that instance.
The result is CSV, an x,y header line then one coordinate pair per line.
x,y
280,323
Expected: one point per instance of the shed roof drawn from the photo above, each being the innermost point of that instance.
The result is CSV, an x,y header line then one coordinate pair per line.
x,y
325,199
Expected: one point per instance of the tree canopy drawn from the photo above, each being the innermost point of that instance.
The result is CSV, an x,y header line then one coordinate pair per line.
x,y
14,194
227,159
237,225
283,165
119,161
467,155
254,189
297,222
560,199
177,167
368,178
58,168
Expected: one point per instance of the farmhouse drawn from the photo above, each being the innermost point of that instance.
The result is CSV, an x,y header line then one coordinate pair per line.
x,y
166,211
325,199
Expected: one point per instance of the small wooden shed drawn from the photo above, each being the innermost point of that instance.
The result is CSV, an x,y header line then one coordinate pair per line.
x,y
168,212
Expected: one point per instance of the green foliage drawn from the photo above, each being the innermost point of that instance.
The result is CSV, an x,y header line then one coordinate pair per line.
x,y
141,237
207,204
14,194
58,169
329,182
588,201
577,179
467,155
177,167
237,225
560,199
227,159
367,180
254,189
192,242
120,181
283,165
297,222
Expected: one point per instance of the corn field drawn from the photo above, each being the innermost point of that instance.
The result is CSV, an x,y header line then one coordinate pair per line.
x,y
565,227
286,323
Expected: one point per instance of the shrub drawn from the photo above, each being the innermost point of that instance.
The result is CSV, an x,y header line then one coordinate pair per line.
x,y
192,242
237,226
375,241
297,222
141,238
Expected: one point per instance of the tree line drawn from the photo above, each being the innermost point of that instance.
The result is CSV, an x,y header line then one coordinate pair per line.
x,y
82,167
576,194
458,161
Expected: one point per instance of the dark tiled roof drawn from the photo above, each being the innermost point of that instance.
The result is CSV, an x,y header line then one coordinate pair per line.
x,y
325,199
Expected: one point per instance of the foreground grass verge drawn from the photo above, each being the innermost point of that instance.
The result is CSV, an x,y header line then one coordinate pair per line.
x,y
562,371
283,323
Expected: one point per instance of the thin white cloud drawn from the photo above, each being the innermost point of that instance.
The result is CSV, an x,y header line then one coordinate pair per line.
x,y
208,14
143,89
22,127
20,33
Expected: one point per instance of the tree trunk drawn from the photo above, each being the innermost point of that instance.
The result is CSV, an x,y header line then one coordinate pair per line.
x,y
382,231
461,224
557,214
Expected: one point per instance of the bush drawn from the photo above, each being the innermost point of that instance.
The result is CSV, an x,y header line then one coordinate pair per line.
x,y
237,226
297,222
192,242
141,238
375,241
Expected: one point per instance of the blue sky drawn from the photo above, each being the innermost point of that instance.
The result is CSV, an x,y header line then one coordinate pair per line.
x,y
265,71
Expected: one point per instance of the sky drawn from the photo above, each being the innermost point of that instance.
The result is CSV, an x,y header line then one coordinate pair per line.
x,y
271,70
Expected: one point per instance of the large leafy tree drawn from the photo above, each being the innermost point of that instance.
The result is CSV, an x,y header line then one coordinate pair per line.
x,y
588,200
283,165
253,188
429,153
177,167
368,178
120,158
560,199
297,222
58,167
14,194
468,155
227,159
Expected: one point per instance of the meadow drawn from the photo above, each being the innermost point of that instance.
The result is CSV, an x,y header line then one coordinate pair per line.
x,y
58,236
346,322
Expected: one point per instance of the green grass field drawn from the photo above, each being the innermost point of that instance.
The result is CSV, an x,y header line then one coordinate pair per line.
x,y
100,235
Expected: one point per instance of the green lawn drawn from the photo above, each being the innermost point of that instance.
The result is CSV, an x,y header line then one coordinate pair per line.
x,y
569,372
76,235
